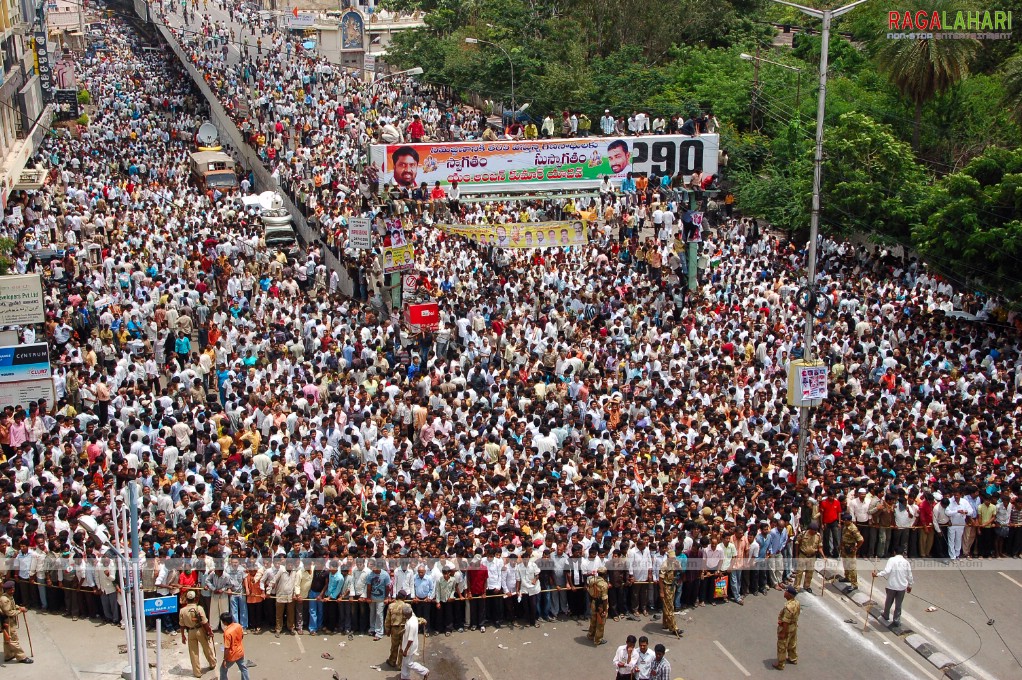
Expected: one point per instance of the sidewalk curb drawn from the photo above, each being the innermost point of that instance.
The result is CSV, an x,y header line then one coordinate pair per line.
x,y
933,653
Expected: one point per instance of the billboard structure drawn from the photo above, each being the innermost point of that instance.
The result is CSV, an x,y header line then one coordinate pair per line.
x,y
26,375
21,300
578,163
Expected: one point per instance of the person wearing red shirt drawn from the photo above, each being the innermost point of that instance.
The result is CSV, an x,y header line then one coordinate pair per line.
x,y
830,514
477,574
925,533
416,130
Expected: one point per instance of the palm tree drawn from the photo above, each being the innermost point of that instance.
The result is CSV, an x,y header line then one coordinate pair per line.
x,y
1011,77
922,69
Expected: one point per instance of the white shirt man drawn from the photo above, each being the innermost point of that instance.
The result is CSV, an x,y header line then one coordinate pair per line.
x,y
898,573
625,659
958,511
410,646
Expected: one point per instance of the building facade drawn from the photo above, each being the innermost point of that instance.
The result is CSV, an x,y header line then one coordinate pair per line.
x,y
24,112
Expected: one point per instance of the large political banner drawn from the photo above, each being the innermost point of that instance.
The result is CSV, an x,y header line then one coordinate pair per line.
x,y
545,164
397,258
523,235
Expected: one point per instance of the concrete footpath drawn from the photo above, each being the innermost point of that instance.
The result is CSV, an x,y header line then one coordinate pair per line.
x,y
87,650
50,661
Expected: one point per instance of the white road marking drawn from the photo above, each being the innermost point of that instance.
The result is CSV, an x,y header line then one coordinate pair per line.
x,y
1010,579
731,657
482,668
301,647
928,672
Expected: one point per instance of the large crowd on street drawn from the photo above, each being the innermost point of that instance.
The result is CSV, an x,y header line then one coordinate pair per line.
x,y
303,462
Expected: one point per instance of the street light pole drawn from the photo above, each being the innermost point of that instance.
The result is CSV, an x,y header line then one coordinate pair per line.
x,y
136,581
826,15
473,41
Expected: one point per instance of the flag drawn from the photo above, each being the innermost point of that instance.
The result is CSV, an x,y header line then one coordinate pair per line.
x,y
294,11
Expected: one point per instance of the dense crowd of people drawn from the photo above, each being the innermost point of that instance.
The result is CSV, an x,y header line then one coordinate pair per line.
x,y
302,462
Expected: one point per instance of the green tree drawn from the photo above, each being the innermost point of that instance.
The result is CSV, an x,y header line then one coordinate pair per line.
x,y
922,69
973,224
1011,76
871,182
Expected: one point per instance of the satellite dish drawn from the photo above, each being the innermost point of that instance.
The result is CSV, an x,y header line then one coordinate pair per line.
x,y
207,135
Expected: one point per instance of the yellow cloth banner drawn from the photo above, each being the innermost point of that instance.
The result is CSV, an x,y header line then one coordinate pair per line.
x,y
523,235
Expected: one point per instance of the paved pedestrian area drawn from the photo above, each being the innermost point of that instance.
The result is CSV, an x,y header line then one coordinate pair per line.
x,y
726,641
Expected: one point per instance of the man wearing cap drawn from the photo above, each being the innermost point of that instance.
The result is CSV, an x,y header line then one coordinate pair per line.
x,y
193,619
394,626
851,541
410,646
810,546
11,612
787,629
598,589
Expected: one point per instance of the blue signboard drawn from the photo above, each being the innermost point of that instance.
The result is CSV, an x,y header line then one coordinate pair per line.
x,y
156,606
24,362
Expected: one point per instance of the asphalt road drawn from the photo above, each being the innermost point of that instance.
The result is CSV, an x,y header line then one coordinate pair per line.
x,y
726,641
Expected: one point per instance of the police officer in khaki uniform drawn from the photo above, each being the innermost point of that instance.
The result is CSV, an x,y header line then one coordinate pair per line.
x,y
787,630
597,589
810,546
668,589
394,626
851,541
11,612
193,619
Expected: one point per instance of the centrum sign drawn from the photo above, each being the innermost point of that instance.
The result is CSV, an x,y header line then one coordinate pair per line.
x,y
964,24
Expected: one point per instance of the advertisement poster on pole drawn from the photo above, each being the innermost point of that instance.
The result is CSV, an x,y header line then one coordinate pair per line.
x,y
359,234
410,287
807,383
813,382
21,300
369,67
396,232
397,259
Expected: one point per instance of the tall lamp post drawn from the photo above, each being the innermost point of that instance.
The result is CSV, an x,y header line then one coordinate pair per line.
x,y
129,576
473,41
826,16
796,69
